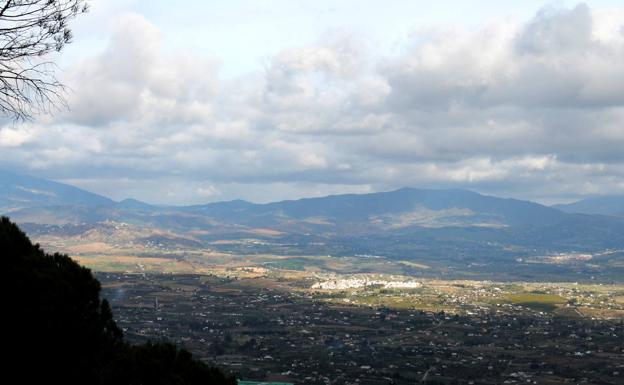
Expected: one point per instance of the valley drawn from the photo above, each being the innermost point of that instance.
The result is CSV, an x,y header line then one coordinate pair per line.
x,y
430,286
123,247
282,330
312,192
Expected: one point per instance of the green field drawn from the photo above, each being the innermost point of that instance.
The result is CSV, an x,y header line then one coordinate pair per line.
x,y
541,302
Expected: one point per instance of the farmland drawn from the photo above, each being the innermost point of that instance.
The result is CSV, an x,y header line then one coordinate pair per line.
x,y
279,329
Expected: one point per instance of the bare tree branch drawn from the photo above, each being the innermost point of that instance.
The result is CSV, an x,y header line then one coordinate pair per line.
x,y
29,30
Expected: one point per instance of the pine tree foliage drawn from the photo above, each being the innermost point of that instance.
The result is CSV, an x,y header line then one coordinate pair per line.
x,y
58,330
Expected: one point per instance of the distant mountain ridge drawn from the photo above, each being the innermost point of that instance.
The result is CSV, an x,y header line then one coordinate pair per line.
x,y
404,211
22,191
449,228
30,197
406,201
605,205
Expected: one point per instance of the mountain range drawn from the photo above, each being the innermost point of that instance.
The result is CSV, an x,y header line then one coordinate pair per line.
x,y
22,191
444,226
603,205
43,201
35,200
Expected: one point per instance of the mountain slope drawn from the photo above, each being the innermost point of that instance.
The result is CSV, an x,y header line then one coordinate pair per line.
x,y
444,228
38,200
407,206
21,191
605,205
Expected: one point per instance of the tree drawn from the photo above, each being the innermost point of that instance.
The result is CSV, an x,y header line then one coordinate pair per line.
x,y
56,329
29,30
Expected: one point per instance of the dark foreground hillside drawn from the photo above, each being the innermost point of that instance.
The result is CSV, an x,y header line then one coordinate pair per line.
x,y
58,330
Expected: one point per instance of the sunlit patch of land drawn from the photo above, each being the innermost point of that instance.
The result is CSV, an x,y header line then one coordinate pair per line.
x,y
414,265
264,231
358,280
134,264
321,277
469,297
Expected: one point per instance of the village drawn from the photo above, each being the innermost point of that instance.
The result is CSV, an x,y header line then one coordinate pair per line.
x,y
259,331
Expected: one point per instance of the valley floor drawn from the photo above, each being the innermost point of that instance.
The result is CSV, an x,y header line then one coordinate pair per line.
x,y
284,330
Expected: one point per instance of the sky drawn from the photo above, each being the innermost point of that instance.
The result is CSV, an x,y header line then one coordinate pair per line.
x,y
271,100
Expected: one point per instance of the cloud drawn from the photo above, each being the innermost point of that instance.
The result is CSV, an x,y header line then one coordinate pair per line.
x,y
133,79
15,137
528,109
207,191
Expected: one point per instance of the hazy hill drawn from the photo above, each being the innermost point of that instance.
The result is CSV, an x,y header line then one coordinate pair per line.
x,y
21,191
133,204
404,222
413,206
605,205
34,199
37,200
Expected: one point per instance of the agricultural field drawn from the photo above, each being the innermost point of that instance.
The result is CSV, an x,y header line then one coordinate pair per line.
x,y
262,310
366,280
469,297
278,329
